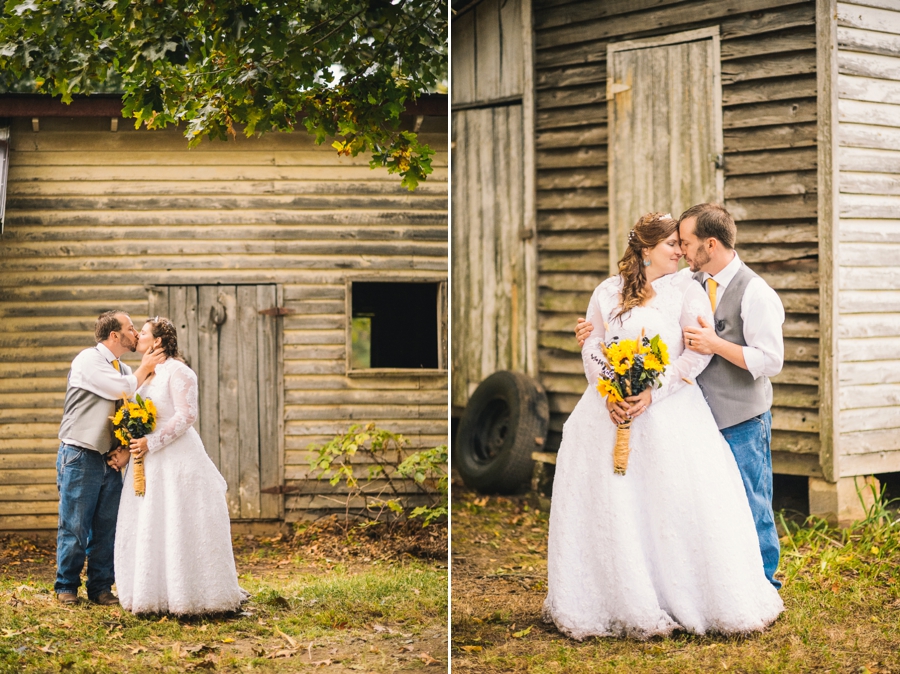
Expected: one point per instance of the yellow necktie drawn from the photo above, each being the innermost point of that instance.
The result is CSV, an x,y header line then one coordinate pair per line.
x,y
115,364
711,289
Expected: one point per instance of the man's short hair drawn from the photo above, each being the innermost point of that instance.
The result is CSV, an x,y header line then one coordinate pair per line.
x,y
713,221
107,323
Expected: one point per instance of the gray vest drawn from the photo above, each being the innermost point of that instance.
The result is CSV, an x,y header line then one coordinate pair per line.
x,y
732,392
86,420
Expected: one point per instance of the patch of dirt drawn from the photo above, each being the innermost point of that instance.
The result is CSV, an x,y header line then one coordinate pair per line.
x,y
28,556
325,541
499,567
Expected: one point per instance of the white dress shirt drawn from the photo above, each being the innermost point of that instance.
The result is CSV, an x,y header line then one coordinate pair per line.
x,y
93,370
763,315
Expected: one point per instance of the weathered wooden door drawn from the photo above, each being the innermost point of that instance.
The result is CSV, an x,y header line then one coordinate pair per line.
x,y
665,128
233,349
494,261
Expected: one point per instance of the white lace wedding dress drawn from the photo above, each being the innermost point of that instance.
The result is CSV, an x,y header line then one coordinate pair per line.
x,y
173,545
671,544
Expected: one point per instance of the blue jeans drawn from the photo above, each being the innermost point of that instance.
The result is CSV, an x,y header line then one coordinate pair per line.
x,y
89,492
750,443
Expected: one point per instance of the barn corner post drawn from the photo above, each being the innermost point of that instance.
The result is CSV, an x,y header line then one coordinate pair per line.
x,y
823,491
529,229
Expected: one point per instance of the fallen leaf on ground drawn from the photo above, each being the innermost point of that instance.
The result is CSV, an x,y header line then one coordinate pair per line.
x,y
291,642
472,649
283,653
522,633
427,659
138,649
227,640
199,648
407,649
321,663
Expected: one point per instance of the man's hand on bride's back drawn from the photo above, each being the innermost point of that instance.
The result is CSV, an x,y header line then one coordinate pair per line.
x,y
583,330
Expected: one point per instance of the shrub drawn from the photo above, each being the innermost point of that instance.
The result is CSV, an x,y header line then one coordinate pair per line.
x,y
376,469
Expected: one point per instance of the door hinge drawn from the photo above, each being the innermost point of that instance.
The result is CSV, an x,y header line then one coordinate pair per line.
x,y
614,88
276,311
718,160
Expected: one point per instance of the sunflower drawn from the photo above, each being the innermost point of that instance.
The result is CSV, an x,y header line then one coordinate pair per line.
x,y
663,352
609,390
118,418
621,356
651,362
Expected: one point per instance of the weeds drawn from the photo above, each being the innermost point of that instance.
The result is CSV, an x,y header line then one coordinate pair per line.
x,y
307,611
382,480
841,592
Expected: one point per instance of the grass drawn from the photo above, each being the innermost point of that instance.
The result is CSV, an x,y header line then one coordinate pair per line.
x,y
331,603
841,593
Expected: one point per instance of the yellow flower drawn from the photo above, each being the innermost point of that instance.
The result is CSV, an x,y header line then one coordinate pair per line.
x,y
144,416
133,409
120,435
621,356
151,408
663,352
651,362
118,418
607,390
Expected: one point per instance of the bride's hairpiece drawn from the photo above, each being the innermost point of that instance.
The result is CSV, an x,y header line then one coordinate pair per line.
x,y
631,236
667,216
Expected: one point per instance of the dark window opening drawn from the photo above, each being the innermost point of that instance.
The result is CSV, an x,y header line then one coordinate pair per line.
x,y
394,325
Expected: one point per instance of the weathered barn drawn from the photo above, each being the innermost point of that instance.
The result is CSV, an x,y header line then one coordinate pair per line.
x,y
309,292
786,111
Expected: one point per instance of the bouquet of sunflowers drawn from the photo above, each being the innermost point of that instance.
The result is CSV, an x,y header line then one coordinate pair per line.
x,y
632,365
133,420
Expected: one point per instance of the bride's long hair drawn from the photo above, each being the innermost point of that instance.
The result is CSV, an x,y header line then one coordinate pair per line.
x,y
164,329
648,231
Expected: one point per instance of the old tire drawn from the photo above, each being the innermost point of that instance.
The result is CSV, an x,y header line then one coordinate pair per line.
x,y
504,422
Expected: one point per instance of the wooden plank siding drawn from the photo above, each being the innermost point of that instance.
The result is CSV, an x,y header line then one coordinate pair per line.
x,y
768,66
94,219
868,236
494,305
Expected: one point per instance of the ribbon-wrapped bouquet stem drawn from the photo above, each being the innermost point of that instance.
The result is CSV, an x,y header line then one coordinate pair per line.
x,y
135,419
631,367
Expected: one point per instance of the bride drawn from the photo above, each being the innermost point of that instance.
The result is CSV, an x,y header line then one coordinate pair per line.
x,y
173,546
671,544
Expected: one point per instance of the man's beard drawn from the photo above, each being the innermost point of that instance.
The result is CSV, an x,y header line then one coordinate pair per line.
x,y
700,259
131,346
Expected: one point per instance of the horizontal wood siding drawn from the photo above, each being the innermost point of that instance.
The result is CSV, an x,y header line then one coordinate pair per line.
x,y
94,218
768,61
868,321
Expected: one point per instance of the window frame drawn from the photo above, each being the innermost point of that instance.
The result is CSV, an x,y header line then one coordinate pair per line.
x,y
442,328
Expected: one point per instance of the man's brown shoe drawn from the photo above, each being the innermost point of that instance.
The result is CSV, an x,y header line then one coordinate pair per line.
x,y
106,599
67,598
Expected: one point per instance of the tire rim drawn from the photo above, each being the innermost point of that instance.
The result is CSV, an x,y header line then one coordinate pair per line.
x,y
493,426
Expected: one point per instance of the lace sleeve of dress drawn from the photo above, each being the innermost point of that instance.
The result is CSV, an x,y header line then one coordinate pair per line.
x,y
597,315
183,391
690,363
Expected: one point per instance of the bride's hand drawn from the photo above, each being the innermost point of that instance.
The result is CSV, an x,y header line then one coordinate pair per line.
x,y
617,411
638,404
138,447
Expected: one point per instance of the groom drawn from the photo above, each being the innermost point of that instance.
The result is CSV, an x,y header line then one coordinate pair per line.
x,y
747,348
89,489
